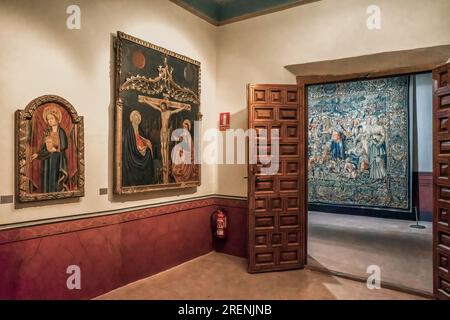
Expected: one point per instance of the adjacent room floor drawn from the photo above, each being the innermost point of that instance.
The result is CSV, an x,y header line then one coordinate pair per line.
x,y
349,244
220,276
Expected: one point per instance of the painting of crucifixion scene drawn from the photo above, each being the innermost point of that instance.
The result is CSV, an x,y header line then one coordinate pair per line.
x,y
358,144
157,108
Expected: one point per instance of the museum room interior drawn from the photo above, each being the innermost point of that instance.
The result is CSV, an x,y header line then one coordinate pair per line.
x,y
211,149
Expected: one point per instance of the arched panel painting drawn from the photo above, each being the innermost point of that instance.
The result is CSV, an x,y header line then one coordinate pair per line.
x,y
50,151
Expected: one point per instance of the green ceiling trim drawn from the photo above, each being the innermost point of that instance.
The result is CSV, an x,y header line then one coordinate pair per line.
x,y
220,12
236,9
208,7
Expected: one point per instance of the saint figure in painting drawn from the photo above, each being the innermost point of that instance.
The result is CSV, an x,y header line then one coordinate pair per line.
x,y
183,163
163,106
52,154
137,154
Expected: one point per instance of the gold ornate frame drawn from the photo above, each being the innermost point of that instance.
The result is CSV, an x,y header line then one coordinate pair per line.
x,y
131,82
23,117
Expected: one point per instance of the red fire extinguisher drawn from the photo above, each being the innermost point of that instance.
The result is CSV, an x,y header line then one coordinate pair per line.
x,y
219,224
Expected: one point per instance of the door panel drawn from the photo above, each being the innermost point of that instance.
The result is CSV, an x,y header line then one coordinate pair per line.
x,y
277,203
441,181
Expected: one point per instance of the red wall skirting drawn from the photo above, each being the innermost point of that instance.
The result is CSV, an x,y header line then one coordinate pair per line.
x,y
113,250
423,192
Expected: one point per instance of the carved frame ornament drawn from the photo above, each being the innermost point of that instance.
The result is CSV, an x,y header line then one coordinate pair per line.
x,y
23,121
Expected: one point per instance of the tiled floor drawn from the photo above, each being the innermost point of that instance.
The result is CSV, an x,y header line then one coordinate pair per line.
x,y
219,276
349,244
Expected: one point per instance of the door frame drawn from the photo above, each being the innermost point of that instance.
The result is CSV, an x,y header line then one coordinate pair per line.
x,y
304,81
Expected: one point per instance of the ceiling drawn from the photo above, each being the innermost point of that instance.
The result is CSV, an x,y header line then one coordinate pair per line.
x,y
220,12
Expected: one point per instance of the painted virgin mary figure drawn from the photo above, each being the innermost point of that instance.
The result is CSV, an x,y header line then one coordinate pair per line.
x,y
137,155
52,154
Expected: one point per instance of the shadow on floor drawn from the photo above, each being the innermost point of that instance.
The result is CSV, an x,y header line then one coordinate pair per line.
x,y
220,276
349,244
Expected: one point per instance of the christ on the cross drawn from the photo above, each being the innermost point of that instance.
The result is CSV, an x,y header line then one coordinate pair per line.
x,y
164,106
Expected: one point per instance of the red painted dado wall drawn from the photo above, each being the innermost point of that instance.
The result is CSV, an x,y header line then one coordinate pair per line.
x,y
113,250
423,193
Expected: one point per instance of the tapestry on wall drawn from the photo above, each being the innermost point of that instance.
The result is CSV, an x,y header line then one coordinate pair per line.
x,y
157,106
358,143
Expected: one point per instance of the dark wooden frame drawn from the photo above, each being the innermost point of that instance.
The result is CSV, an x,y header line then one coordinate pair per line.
x,y
441,183
118,188
23,117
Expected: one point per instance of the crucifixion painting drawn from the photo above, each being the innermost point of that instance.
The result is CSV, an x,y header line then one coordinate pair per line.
x,y
158,92
164,107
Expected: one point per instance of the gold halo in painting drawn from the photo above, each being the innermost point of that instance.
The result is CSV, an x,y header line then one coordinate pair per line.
x,y
54,110
187,123
137,114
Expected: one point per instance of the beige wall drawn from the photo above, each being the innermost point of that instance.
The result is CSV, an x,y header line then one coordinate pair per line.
x,y
256,50
39,55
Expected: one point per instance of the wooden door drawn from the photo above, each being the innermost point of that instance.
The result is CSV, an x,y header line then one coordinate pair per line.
x,y
441,181
277,202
